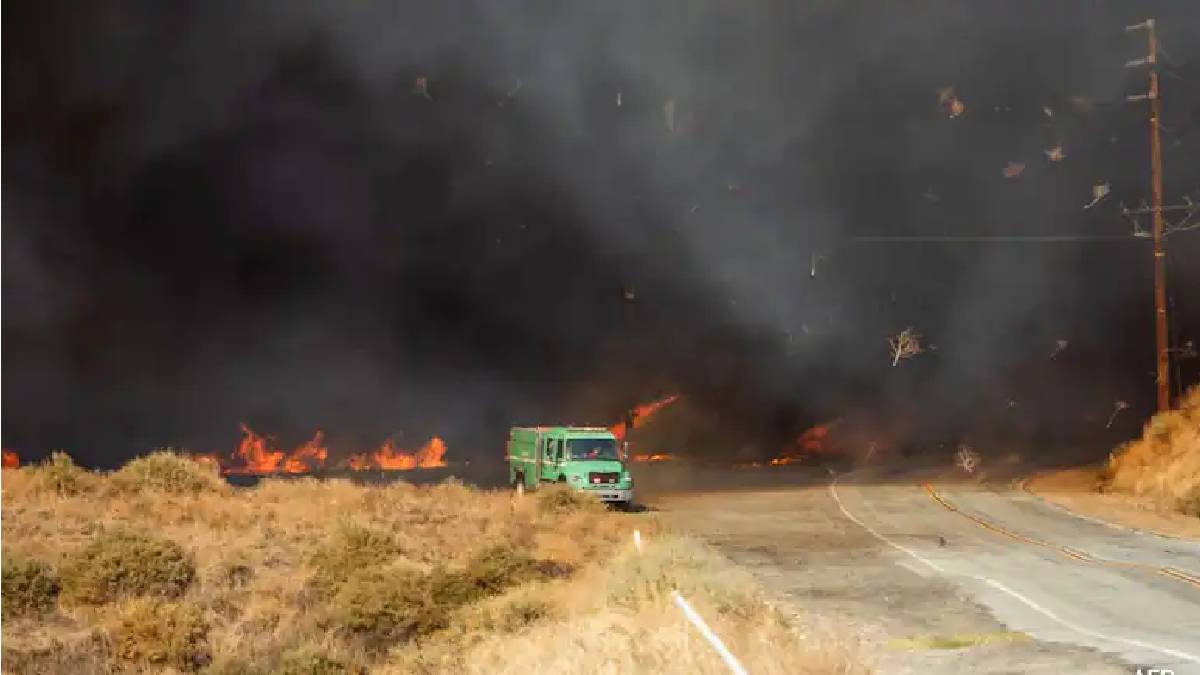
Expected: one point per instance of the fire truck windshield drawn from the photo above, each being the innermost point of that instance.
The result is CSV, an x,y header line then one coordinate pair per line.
x,y
592,448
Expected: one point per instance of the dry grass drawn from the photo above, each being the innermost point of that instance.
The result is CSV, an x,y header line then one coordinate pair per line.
x,y
1164,464
165,634
122,563
168,471
29,587
164,570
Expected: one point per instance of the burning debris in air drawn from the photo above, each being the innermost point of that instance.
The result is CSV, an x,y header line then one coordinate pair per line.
x,y
1118,406
421,87
950,102
966,458
1099,191
1060,346
904,345
257,454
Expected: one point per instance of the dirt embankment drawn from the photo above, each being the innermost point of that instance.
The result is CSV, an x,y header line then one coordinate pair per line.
x,y
163,567
1151,483
1078,490
1164,464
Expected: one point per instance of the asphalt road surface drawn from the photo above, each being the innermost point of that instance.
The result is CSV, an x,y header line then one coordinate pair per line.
x,y
959,577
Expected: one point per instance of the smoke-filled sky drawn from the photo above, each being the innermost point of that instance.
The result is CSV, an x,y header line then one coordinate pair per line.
x,y
394,218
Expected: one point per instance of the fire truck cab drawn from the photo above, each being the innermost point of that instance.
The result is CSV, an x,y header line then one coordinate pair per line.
x,y
586,458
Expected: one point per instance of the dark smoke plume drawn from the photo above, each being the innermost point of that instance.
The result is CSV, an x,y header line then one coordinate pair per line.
x,y
446,218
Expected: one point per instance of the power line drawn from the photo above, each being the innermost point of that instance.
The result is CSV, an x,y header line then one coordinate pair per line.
x,y
995,239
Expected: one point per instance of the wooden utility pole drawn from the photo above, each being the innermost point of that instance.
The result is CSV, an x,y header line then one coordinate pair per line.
x,y
1162,354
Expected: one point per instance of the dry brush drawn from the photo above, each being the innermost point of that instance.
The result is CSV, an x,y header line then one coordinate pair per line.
x,y
162,567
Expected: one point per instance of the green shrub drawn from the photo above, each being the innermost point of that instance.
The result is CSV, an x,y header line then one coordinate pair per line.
x,y
167,471
498,567
83,652
507,613
487,573
121,563
384,608
151,632
352,549
29,587
59,474
560,499
306,661
1190,505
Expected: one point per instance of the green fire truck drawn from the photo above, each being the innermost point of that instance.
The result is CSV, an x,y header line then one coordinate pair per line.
x,y
586,458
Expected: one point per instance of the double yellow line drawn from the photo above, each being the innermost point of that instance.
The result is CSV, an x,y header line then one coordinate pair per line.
x,y
1080,556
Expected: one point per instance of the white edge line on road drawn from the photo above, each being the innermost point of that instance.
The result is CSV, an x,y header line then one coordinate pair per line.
x,y
1023,486
1079,629
880,537
919,571
1006,590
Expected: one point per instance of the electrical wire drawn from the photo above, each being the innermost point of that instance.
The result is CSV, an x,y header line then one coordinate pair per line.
x,y
994,239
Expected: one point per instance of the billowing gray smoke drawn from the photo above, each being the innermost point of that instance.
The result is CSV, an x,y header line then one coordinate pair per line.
x,y
382,217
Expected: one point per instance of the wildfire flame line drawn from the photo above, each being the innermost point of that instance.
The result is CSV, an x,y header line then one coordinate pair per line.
x,y
256,454
11,460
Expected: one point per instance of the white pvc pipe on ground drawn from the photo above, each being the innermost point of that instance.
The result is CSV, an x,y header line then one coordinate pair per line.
x,y
727,656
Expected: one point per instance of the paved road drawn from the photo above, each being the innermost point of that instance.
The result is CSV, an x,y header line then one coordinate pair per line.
x,y
1043,572
899,564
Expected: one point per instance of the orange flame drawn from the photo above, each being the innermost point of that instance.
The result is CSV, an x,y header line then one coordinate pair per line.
x,y
429,456
307,457
656,457
814,441
256,455
642,414
11,460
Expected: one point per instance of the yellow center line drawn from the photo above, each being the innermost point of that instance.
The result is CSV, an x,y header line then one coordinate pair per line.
x,y
1063,550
